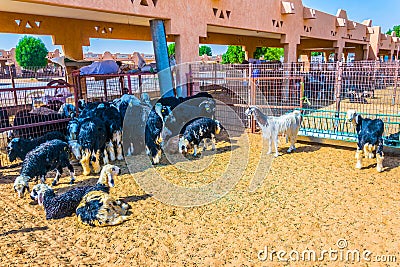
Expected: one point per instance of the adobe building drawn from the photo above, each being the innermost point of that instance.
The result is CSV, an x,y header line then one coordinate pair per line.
x,y
274,23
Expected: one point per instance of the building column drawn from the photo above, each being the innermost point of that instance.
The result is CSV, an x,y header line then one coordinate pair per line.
x,y
290,52
186,51
359,53
249,51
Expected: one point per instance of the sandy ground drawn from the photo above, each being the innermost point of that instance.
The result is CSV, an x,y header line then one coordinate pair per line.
x,y
308,200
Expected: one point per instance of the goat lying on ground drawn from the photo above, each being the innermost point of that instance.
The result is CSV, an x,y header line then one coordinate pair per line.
x,y
19,147
199,130
98,208
271,127
369,138
63,205
52,155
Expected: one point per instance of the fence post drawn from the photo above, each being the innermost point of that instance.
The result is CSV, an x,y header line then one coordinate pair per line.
x,y
13,85
396,74
252,96
338,89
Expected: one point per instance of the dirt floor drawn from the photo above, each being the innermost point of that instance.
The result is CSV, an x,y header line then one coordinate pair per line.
x,y
313,199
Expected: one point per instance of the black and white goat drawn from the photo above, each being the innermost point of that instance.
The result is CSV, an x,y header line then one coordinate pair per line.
x,y
199,130
19,147
52,155
65,204
187,111
154,130
369,138
92,138
288,124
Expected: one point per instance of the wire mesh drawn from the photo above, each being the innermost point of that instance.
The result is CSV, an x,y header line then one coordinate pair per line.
x,y
30,107
323,91
106,87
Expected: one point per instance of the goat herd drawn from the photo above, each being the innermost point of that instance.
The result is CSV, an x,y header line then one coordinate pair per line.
x,y
106,131
95,137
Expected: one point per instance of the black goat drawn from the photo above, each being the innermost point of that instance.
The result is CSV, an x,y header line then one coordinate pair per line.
x,y
92,138
19,147
63,205
197,131
154,130
52,155
187,111
393,139
369,136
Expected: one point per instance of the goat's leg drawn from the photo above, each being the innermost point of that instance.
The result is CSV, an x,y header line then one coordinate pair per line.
x,y
111,151
120,155
43,179
71,173
58,175
85,161
359,157
213,142
379,155
96,162
195,150
105,158
205,140
276,146
118,141
269,145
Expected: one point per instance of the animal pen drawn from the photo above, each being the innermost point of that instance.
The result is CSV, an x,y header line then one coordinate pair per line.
x,y
322,91
30,103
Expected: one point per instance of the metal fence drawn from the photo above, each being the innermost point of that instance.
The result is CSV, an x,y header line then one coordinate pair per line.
x,y
324,93
106,87
30,106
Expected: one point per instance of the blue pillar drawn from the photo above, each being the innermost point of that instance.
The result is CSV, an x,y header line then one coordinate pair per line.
x,y
162,60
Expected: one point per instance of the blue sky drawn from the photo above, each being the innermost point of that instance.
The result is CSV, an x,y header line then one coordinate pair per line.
x,y
383,13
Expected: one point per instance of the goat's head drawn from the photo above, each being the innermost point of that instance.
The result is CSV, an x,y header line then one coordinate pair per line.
x,y
250,111
14,148
184,145
73,129
38,192
208,105
164,112
107,175
353,117
21,185
76,149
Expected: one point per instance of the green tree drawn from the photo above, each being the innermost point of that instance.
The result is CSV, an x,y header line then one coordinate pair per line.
x,y
315,54
171,49
395,29
269,53
234,54
205,50
31,52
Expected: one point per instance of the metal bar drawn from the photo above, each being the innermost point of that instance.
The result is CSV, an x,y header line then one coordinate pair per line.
x,y
162,60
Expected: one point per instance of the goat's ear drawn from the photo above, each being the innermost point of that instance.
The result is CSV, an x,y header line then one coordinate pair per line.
x,y
357,118
40,198
110,179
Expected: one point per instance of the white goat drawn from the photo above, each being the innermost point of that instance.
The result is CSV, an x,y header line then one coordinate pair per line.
x,y
271,127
